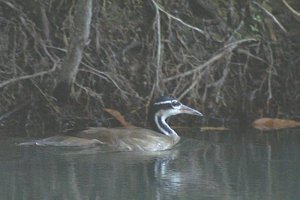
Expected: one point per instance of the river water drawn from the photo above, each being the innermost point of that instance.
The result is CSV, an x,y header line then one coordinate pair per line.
x,y
205,165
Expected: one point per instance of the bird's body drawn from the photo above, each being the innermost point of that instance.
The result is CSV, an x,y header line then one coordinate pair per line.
x,y
128,139
119,139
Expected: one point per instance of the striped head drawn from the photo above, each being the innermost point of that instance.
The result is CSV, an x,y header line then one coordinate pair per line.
x,y
165,107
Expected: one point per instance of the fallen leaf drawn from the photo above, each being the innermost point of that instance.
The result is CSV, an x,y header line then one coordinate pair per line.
x,y
266,124
119,117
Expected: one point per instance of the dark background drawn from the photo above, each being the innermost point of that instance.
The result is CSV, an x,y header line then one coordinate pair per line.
x,y
138,50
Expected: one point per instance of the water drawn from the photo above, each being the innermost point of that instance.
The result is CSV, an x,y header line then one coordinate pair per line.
x,y
225,165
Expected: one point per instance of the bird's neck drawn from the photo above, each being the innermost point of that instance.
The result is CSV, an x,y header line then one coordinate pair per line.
x,y
162,126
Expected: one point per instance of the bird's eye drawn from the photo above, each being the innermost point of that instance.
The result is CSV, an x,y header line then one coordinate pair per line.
x,y
175,103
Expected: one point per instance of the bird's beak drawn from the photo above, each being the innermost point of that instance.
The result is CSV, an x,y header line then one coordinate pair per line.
x,y
188,110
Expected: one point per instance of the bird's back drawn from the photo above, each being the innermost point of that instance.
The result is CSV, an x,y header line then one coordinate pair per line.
x,y
116,139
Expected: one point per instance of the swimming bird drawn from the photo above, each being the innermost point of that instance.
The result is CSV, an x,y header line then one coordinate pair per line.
x,y
162,137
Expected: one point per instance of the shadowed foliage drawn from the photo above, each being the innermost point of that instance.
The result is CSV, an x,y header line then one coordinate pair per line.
x,y
234,61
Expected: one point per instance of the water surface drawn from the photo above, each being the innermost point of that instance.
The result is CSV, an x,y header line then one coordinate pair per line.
x,y
208,165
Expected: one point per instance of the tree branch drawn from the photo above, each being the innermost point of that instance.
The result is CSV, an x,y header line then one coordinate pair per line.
x,y
228,48
272,16
157,6
4,83
158,59
79,39
293,11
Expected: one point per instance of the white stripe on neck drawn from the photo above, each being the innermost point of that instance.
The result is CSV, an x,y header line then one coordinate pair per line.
x,y
167,130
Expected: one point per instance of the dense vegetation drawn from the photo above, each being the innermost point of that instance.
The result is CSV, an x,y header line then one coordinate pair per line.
x,y
230,59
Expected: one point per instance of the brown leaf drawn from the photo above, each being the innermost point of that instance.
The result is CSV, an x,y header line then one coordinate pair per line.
x,y
119,117
266,124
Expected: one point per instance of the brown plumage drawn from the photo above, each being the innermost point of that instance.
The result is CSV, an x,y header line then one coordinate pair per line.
x,y
128,139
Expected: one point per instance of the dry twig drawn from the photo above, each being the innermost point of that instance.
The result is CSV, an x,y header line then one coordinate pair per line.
x,y
228,48
159,48
10,81
293,11
159,7
272,16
